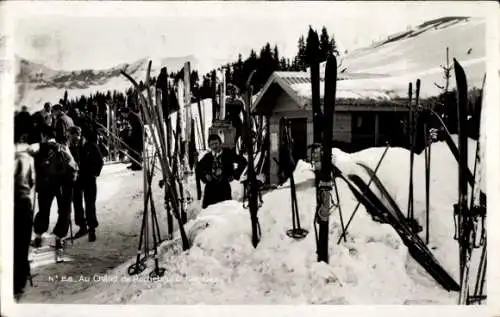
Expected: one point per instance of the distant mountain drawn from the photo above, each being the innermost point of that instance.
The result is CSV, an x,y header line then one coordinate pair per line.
x,y
37,83
401,57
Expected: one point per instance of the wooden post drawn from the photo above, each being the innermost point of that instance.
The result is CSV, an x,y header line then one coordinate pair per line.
x,y
377,127
223,97
187,106
108,127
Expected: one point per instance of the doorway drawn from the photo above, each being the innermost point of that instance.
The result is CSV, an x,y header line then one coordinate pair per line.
x,y
298,131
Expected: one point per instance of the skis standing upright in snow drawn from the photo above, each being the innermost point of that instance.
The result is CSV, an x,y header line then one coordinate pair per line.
x,y
461,208
252,189
325,183
170,187
466,218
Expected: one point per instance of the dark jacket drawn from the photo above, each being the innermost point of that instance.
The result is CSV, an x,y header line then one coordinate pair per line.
x,y
23,123
221,172
42,126
136,136
89,159
41,157
226,161
61,126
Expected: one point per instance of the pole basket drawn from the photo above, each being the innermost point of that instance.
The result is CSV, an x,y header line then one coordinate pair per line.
x,y
297,234
137,268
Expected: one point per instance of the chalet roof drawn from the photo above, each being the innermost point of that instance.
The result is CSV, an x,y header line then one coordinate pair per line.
x,y
298,86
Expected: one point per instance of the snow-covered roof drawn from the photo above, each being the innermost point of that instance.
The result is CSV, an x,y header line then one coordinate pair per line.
x,y
382,72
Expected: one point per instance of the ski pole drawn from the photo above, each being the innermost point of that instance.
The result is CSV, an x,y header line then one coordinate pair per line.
x,y
340,209
427,155
359,202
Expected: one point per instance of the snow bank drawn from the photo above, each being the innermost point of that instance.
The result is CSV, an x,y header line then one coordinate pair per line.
x,y
372,267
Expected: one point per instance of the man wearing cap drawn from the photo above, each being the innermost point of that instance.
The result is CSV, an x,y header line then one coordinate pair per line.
x,y
62,122
90,163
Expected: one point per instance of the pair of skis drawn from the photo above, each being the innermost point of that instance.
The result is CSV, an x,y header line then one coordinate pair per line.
x,y
466,217
252,184
322,150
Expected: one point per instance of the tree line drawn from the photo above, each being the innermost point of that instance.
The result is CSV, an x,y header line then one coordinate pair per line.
x,y
269,60
265,63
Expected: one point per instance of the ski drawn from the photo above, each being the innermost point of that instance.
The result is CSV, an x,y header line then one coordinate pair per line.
x,y
325,184
393,215
412,133
251,182
166,170
165,128
462,212
453,147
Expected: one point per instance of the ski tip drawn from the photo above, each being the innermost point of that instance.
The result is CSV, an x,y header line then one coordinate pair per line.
x,y
331,60
418,83
457,65
249,80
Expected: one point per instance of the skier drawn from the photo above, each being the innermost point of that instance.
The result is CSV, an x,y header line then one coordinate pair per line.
x,y
216,170
56,172
62,122
90,163
136,138
24,121
42,125
24,181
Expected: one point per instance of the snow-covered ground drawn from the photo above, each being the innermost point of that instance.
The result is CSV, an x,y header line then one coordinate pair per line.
x,y
222,267
119,210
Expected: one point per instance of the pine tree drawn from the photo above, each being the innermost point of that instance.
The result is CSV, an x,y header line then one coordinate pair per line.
x,y
325,45
276,58
300,60
238,72
65,99
194,78
312,47
334,47
283,64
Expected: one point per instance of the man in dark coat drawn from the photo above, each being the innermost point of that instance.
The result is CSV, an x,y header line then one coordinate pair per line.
x,y
49,186
62,122
24,121
216,170
90,163
24,182
42,125
135,139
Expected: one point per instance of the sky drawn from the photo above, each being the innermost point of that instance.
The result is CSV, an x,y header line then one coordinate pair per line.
x,y
98,35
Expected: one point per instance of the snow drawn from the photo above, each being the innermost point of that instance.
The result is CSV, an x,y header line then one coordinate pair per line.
x,y
222,267
397,63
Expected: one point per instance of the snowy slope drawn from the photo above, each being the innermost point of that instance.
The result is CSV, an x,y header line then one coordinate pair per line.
x,y
418,53
372,267
37,84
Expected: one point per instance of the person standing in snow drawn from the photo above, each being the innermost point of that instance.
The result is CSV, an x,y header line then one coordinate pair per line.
x,y
135,138
90,163
24,121
56,172
216,170
24,182
62,122
42,125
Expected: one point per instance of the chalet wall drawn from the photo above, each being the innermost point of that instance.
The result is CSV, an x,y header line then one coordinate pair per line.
x,y
287,107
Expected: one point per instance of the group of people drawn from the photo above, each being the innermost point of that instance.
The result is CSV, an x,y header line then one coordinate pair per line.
x,y
58,156
54,158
